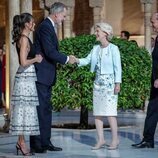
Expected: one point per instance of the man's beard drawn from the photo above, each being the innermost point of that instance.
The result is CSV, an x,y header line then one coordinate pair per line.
x,y
59,24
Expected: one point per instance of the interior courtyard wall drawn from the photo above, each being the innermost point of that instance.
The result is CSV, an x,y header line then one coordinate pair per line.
x,y
112,12
83,17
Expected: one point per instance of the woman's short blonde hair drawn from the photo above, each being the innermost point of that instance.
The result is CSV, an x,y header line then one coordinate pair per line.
x,y
105,27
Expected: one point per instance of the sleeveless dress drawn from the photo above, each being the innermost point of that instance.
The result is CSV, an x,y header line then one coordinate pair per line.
x,y
104,99
24,100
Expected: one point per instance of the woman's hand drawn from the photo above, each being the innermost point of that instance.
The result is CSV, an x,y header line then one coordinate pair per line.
x,y
117,88
39,58
77,60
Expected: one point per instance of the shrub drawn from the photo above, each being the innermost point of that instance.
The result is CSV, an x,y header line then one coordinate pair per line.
x,y
74,85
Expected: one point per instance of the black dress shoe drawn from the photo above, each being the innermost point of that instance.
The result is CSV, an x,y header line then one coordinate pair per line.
x,y
37,150
143,144
51,147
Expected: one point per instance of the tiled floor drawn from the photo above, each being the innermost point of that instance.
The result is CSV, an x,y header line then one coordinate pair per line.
x,y
77,144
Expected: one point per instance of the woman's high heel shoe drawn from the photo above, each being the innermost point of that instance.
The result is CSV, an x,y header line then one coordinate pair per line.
x,y
17,150
99,145
18,147
113,147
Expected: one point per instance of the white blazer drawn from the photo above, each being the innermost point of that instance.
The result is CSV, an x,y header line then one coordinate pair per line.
x,y
110,61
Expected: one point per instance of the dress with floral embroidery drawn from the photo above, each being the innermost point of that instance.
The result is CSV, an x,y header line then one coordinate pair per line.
x,y
104,99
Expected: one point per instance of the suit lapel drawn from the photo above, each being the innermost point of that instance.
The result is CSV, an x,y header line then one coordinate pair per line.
x,y
52,31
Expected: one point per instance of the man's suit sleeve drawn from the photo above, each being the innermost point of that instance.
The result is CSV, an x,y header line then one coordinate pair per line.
x,y
155,60
49,44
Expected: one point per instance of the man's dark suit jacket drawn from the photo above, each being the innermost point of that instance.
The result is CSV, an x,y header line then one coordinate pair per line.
x,y
154,76
46,43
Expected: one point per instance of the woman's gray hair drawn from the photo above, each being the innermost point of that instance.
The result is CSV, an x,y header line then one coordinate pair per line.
x,y
57,7
105,27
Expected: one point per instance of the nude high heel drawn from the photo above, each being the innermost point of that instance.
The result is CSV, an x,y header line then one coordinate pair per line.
x,y
113,147
99,145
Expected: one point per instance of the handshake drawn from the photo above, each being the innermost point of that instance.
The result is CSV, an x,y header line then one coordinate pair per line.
x,y
73,60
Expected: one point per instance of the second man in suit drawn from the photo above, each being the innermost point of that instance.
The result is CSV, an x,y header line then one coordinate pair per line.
x,y
152,111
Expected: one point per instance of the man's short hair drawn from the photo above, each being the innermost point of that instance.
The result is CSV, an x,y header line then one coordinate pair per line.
x,y
57,7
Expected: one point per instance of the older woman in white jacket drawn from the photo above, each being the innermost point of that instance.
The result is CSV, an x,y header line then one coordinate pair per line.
x,y
106,63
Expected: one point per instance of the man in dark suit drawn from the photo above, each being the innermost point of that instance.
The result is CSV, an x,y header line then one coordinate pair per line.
x,y
152,111
46,43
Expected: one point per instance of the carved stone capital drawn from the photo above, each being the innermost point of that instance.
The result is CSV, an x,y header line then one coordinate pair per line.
x,y
41,4
147,1
94,3
68,3
147,6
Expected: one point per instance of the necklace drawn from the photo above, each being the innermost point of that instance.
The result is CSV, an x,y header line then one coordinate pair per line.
x,y
100,53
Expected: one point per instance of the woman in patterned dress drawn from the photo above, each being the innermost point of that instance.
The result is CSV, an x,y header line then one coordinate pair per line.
x,y
106,63
24,119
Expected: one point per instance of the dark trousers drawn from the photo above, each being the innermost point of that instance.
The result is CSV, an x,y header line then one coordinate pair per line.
x,y
152,116
45,117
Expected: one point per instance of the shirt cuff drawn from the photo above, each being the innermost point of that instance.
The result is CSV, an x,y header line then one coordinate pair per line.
x,y
67,60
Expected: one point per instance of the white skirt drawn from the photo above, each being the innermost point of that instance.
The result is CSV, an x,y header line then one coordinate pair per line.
x,y
24,102
104,99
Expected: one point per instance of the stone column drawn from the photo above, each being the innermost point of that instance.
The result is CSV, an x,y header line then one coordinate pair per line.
x,y
60,33
26,6
67,25
13,7
147,15
13,10
97,7
7,51
72,9
42,6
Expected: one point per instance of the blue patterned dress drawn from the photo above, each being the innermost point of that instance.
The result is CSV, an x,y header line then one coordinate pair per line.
x,y
104,99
